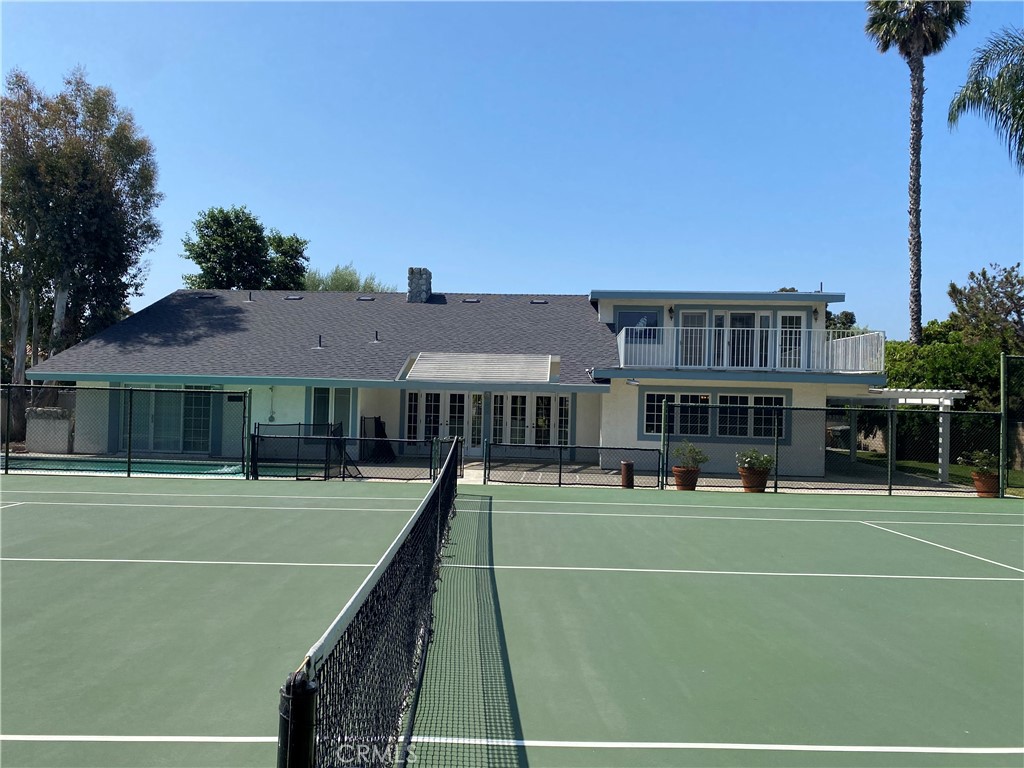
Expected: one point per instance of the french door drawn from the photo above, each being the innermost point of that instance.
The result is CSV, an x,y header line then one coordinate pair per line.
x,y
530,419
432,415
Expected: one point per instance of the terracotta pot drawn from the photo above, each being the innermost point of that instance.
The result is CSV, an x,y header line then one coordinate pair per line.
x,y
686,478
754,480
987,485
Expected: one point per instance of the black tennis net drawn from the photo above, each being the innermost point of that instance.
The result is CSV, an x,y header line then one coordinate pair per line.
x,y
348,704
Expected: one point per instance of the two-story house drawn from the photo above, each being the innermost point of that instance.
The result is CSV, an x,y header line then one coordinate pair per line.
x,y
505,368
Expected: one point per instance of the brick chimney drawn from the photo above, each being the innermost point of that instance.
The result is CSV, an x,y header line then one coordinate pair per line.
x,y
419,285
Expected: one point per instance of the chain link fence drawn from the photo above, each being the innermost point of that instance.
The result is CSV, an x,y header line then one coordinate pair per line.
x,y
323,452
903,450
571,465
124,431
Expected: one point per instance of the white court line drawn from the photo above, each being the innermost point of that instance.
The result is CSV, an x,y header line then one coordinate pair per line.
x,y
207,495
583,568
118,561
646,515
754,508
684,571
706,745
940,546
516,501
247,508
141,739
12,504
719,745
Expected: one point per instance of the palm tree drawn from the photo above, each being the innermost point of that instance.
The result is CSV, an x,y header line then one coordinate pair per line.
x,y
995,90
916,28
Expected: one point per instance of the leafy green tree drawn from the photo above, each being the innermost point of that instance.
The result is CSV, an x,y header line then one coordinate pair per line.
x,y
345,278
946,361
990,307
840,321
233,251
995,90
916,28
79,194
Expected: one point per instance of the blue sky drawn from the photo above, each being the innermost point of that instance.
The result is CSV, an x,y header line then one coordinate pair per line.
x,y
554,147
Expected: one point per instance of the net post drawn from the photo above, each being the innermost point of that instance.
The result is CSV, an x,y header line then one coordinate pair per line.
x,y
344,457
296,718
1004,417
131,435
559,466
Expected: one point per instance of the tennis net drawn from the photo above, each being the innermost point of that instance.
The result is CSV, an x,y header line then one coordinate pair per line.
x,y
347,704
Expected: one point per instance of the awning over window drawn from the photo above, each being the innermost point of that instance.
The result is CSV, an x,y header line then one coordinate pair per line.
x,y
442,366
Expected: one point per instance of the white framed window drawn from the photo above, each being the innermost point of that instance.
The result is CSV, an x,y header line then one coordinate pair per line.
x,y
694,414
768,418
652,411
733,415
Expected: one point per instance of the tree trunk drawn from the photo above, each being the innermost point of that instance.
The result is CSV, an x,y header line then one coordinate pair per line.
x,y
61,290
916,63
20,343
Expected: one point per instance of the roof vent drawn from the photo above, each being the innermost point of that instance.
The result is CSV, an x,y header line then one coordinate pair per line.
x,y
538,301
293,298
367,298
206,296
471,301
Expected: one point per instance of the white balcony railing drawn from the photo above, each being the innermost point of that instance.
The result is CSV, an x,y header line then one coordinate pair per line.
x,y
752,349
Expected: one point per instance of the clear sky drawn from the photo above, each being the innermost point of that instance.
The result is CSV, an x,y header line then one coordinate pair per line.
x,y
554,147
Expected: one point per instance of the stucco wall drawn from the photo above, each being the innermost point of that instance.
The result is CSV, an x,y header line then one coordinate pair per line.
x,y
801,451
588,419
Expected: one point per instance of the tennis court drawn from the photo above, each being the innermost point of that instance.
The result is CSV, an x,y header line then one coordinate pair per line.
x,y
151,622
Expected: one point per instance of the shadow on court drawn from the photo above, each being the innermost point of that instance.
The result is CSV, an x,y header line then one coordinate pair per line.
x,y
468,693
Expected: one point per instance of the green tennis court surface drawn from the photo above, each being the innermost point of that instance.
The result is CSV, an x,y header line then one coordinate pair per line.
x,y
151,622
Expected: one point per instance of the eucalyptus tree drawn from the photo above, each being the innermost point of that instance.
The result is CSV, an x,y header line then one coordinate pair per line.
x,y
995,90
915,28
79,182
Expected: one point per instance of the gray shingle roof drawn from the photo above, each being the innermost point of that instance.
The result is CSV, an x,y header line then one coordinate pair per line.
x,y
221,333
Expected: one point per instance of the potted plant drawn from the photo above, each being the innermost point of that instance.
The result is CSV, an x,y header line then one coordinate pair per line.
x,y
687,469
984,472
754,467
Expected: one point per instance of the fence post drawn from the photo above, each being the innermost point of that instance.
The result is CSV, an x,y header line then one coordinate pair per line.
x,y
487,459
559,466
775,436
131,433
1004,416
344,457
890,448
7,429
246,434
663,453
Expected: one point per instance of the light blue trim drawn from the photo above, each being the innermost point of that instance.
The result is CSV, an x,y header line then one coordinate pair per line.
x,y
244,382
771,297
782,377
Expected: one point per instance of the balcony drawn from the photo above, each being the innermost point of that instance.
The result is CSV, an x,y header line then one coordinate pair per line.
x,y
752,349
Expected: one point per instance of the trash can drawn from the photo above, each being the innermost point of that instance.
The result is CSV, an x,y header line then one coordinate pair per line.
x,y
627,474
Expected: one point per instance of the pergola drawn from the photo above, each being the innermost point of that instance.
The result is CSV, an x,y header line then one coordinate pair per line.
x,y
942,399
